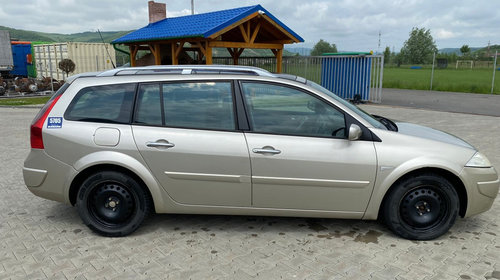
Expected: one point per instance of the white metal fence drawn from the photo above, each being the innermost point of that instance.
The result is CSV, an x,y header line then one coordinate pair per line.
x,y
346,75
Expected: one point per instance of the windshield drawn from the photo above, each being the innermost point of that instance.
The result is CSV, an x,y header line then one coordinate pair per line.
x,y
366,116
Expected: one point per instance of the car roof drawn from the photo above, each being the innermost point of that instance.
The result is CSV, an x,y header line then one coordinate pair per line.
x,y
177,69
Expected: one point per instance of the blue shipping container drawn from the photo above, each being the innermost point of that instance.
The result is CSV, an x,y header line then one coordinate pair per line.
x,y
347,76
19,55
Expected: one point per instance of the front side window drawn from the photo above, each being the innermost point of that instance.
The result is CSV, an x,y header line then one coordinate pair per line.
x,y
283,110
109,103
200,105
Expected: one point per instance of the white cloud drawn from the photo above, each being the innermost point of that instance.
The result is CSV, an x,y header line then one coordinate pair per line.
x,y
178,13
445,34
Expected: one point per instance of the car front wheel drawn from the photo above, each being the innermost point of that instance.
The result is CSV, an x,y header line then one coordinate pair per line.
x,y
112,203
422,207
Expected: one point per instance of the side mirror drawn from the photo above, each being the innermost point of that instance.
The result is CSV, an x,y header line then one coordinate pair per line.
x,y
355,132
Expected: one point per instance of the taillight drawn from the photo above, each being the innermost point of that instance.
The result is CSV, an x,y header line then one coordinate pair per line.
x,y
37,124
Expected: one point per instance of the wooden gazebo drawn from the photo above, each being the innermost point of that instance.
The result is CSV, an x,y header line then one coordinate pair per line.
x,y
169,39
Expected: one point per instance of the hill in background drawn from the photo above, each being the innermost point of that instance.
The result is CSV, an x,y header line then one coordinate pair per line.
x,y
484,51
26,35
457,50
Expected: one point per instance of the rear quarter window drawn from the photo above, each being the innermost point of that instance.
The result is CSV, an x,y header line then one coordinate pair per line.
x,y
108,103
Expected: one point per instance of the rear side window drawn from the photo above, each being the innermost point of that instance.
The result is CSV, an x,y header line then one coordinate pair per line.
x,y
109,103
202,105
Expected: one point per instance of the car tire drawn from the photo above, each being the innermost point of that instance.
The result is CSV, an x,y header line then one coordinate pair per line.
x,y
421,207
112,203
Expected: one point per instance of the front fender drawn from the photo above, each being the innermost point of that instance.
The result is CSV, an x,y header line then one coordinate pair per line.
x,y
387,176
127,162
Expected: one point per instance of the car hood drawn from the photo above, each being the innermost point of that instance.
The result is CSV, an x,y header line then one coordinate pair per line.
x,y
430,133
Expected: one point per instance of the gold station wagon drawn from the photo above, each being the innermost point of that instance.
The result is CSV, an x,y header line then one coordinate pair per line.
x,y
124,143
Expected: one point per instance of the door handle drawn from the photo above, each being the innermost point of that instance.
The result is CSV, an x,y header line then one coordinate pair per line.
x,y
157,144
266,150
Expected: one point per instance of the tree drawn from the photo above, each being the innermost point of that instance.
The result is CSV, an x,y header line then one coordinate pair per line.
x,y
420,47
398,59
322,47
67,65
465,50
387,55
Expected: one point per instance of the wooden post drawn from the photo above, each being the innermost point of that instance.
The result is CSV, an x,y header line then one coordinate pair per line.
x,y
231,52
157,54
279,60
208,54
237,54
174,56
133,54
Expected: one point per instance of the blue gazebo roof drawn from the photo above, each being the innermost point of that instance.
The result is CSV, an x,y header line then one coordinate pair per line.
x,y
199,25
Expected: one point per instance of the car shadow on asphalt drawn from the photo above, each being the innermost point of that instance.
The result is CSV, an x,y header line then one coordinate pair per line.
x,y
189,226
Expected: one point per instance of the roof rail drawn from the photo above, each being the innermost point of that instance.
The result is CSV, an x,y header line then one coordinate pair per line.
x,y
186,70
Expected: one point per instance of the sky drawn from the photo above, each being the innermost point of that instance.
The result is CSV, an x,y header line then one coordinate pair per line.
x,y
351,25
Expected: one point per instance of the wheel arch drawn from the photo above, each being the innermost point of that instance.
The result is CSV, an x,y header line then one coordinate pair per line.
x,y
101,161
456,182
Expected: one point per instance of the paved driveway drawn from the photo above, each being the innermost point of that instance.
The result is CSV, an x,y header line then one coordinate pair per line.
x,y
459,102
45,239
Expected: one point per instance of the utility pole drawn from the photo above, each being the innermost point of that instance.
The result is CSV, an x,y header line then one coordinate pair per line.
x,y
192,7
378,49
488,53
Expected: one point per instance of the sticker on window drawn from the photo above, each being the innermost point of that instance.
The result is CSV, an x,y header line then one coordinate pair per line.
x,y
54,122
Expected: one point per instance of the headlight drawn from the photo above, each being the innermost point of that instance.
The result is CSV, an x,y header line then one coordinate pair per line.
x,y
478,160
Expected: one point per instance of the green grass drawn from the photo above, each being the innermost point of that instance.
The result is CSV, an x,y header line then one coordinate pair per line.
x,y
24,101
457,80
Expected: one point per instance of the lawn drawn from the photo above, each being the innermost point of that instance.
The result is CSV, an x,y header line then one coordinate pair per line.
x,y
24,101
458,80
450,79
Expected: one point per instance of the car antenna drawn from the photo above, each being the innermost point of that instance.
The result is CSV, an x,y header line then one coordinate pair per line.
x,y
106,47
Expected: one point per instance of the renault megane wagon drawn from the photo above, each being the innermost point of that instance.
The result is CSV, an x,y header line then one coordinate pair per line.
x,y
124,143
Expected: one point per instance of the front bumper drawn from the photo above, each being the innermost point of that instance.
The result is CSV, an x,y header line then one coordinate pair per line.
x,y
482,186
46,176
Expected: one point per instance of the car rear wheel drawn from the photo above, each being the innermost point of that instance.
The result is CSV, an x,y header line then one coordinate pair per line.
x,y
112,203
422,207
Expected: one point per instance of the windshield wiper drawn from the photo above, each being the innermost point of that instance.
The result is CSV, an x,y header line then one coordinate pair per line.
x,y
387,123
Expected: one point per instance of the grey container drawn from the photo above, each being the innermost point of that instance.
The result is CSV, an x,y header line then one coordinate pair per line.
x,y
6,61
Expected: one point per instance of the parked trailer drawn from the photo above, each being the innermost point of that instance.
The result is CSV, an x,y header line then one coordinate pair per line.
x,y
6,61
88,57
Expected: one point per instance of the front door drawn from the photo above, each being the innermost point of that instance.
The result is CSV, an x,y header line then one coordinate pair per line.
x,y
300,155
186,133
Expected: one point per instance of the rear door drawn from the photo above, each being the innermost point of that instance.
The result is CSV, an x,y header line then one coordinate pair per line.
x,y
300,155
186,132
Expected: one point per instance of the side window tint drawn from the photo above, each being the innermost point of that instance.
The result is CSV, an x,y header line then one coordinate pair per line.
x,y
283,110
110,103
203,105
148,105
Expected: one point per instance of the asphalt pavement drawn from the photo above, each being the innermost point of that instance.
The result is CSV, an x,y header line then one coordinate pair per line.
x,y
456,102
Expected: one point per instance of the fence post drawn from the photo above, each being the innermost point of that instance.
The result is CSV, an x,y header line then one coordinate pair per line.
x,y
305,68
432,72
494,70
379,96
50,67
